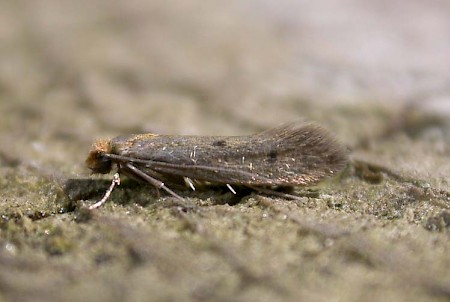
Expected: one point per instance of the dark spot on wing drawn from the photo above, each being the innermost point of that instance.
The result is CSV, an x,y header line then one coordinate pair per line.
x,y
219,143
273,156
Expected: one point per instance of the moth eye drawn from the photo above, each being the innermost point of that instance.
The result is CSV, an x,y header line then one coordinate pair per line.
x,y
98,163
103,165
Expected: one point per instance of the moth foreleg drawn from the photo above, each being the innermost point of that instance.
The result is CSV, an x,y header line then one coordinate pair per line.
x,y
153,181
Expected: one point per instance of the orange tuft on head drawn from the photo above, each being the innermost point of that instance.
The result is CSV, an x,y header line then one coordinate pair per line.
x,y
102,145
95,160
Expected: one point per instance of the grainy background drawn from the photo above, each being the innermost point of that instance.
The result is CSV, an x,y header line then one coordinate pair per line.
x,y
374,72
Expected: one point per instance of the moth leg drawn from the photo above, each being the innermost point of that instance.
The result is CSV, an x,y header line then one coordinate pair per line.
x,y
158,184
171,181
189,182
115,182
275,193
231,189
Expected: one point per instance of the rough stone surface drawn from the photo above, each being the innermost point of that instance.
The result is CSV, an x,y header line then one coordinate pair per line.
x,y
375,73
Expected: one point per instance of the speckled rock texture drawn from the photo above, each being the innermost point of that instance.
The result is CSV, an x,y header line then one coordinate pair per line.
x,y
374,73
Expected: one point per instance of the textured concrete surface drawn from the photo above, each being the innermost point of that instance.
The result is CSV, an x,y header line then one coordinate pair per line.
x,y
375,73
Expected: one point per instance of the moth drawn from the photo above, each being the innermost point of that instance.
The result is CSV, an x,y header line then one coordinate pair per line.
x,y
294,154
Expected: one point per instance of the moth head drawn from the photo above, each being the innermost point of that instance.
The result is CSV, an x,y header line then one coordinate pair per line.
x,y
96,160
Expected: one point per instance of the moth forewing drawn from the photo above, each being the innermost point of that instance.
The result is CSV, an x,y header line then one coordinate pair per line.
x,y
292,154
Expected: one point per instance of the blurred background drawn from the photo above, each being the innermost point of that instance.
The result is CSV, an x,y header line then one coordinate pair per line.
x,y
377,73
86,68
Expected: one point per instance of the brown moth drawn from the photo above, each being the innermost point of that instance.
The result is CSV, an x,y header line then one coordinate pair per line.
x,y
289,155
